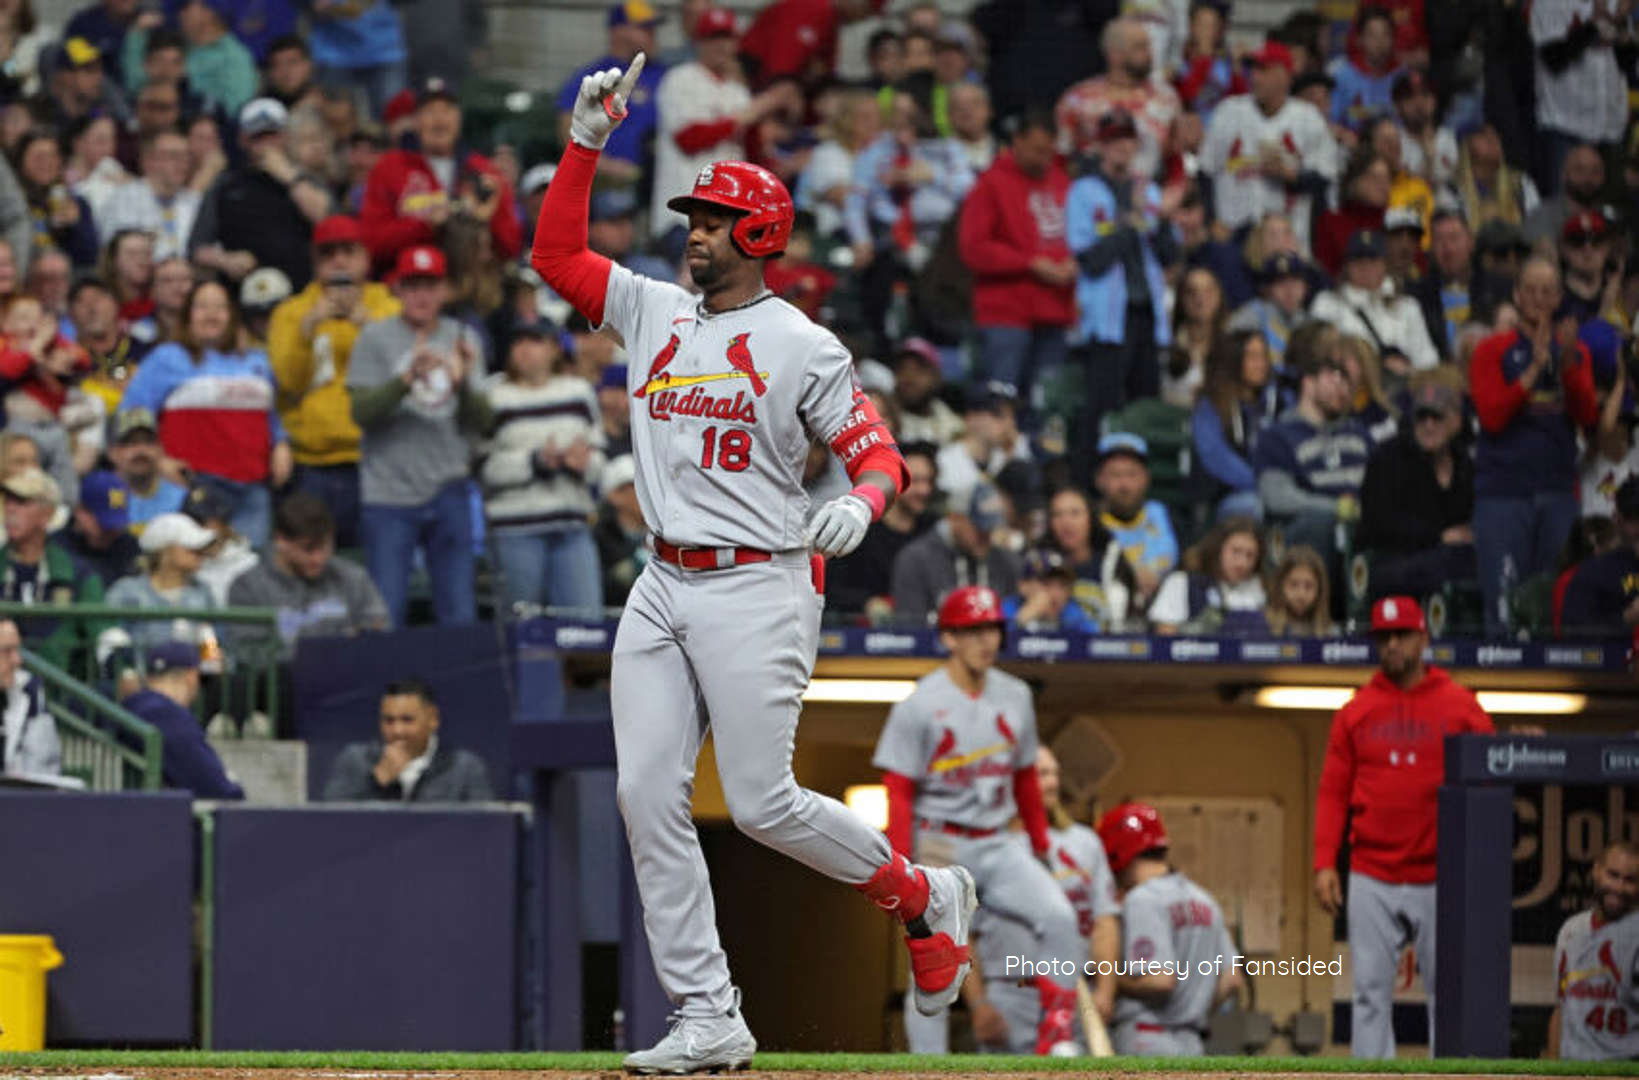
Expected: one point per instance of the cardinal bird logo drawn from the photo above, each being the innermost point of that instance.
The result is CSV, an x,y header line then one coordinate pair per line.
x,y
657,365
1006,732
946,745
740,358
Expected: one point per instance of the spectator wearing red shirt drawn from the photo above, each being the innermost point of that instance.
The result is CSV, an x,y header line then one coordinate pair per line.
x,y
1366,183
412,193
1384,764
1013,241
798,39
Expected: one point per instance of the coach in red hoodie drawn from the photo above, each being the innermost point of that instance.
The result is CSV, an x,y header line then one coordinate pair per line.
x,y
1384,763
1012,241
410,194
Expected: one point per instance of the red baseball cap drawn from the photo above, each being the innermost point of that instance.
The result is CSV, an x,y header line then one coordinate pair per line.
x,y
1272,52
715,22
1397,613
420,261
398,106
338,229
1585,223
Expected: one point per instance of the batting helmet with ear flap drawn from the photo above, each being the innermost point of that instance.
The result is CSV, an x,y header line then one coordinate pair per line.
x,y
971,605
1130,830
765,208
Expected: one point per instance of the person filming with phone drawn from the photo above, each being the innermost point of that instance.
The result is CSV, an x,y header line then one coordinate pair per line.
x,y
310,344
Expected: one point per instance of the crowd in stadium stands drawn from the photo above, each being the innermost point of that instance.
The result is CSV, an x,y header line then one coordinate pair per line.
x,y
1180,327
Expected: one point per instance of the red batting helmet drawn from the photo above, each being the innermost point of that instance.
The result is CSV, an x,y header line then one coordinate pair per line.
x,y
766,212
971,605
1130,830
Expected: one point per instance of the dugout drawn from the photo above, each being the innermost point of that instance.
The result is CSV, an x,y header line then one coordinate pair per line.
x,y
1178,720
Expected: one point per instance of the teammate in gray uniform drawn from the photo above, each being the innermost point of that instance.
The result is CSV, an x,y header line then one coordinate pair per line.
x,y
959,761
1075,857
1596,1017
1175,930
726,392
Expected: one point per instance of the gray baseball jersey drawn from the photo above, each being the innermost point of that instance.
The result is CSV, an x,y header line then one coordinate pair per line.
x,y
1598,971
962,751
1077,861
1171,920
723,407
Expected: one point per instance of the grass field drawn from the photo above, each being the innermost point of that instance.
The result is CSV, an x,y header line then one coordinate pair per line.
x,y
178,1065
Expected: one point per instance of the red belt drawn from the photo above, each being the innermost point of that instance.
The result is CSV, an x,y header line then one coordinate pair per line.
x,y
956,830
699,558
1163,1029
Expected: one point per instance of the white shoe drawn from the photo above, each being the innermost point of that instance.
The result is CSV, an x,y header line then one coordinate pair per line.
x,y
940,962
698,1044
258,725
221,727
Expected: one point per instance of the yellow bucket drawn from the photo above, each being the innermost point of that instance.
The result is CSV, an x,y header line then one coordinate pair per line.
x,y
24,961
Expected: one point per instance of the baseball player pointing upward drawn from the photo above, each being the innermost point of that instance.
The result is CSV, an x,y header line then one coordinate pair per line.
x,y
725,392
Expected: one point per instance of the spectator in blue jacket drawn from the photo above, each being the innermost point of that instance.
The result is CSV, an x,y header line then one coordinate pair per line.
x,y
166,702
1238,401
1118,232
1311,463
361,45
1044,600
1365,85
1603,595
631,31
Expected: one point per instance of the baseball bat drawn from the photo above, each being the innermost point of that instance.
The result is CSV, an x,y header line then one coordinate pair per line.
x,y
1092,1023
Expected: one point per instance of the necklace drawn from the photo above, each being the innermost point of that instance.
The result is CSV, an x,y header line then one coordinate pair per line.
x,y
759,298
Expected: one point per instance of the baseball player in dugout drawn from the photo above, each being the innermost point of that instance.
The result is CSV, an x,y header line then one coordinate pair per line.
x,y
1170,927
1596,966
1007,1012
958,757
725,391
1384,763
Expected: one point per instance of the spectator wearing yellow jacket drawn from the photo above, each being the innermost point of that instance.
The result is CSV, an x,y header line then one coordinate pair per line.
x,y
309,342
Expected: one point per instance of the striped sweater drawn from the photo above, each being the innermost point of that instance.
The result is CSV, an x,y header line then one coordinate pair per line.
x,y
519,495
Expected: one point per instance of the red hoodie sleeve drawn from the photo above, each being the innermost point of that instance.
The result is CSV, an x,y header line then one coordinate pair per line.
x,y
901,799
1495,399
1478,721
14,363
1581,400
560,254
1032,811
697,137
1336,782
385,232
983,249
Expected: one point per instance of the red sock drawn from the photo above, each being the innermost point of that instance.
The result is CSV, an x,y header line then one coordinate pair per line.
x,y
1058,1015
898,887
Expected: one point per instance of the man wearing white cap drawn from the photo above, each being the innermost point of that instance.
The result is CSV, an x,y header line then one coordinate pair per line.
x,y
36,570
261,213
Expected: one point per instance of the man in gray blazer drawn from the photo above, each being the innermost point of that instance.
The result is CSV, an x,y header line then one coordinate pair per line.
x,y
408,763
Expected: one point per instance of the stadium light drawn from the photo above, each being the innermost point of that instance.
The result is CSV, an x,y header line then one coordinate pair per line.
x,y
1505,702
1323,698
859,691
1531,704
870,802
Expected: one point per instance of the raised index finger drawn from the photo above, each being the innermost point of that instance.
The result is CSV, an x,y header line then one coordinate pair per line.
x,y
629,80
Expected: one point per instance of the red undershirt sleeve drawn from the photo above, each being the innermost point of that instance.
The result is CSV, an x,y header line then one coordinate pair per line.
x,y
1032,810
901,799
560,254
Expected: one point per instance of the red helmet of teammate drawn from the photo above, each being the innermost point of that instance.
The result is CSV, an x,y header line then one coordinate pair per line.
x,y
1130,830
971,605
766,211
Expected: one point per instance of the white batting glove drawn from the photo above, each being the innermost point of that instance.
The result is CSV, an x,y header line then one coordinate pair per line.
x,y
839,526
601,104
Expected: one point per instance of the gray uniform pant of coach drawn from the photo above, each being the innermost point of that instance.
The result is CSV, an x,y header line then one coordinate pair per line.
x,y
1384,919
732,649
1014,885
1145,1039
